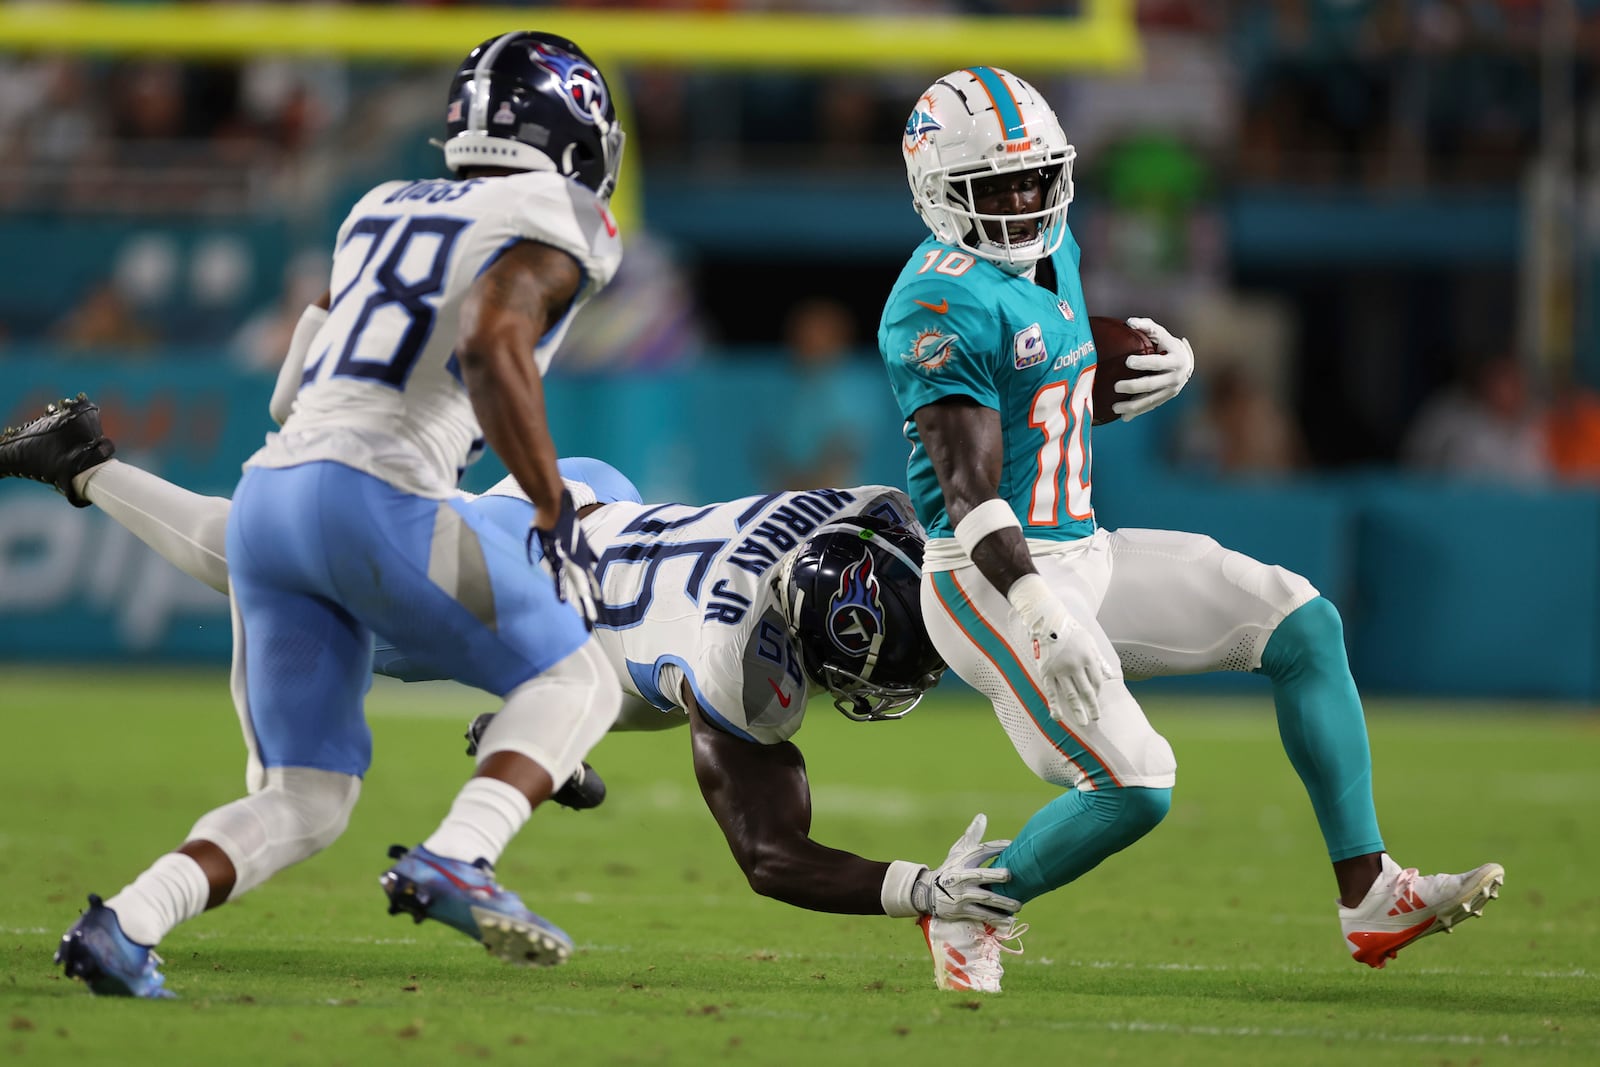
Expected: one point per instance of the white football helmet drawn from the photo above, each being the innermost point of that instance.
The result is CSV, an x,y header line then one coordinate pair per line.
x,y
975,123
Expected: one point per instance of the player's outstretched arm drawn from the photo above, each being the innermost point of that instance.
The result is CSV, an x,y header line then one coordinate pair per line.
x,y
761,799
507,311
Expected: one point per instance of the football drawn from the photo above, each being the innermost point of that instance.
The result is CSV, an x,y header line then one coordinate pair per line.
x,y
1114,342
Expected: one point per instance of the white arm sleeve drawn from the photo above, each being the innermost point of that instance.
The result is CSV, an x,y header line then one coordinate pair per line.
x,y
294,364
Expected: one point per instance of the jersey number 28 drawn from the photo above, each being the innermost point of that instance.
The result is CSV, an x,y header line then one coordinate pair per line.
x,y
397,292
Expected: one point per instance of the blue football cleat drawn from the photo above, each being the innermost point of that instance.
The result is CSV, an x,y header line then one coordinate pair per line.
x,y
466,896
97,951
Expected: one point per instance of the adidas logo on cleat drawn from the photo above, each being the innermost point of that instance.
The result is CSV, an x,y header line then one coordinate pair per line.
x,y
1407,903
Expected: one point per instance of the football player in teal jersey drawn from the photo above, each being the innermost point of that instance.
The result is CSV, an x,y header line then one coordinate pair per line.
x,y
989,353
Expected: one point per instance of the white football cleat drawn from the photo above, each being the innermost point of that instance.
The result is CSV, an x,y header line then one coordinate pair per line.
x,y
1403,906
966,952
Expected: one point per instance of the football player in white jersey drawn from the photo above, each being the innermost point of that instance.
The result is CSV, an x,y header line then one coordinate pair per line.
x,y
726,618
448,299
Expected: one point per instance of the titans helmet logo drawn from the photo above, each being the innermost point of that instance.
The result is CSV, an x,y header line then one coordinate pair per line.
x,y
586,93
581,86
855,614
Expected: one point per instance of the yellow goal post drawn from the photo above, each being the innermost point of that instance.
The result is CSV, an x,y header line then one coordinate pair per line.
x,y
1097,36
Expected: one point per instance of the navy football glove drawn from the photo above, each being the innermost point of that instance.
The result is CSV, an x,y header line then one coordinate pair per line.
x,y
571,562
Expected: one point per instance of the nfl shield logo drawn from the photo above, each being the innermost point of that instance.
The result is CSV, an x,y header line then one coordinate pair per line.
x,y
1065,309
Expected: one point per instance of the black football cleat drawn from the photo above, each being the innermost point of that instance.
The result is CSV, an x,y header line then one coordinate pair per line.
x,y
57,446
584,790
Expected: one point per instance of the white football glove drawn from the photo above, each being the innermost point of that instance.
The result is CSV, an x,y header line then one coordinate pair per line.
x,y
956,890
1070,665
1166,371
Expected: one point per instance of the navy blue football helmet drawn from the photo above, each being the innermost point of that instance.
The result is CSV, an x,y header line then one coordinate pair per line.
x,y
534,101
851,595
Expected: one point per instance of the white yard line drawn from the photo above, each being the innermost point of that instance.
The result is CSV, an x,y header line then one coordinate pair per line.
x,y
1141,1026
1579,974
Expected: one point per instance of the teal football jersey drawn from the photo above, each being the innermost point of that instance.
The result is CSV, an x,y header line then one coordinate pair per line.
x,y
957,325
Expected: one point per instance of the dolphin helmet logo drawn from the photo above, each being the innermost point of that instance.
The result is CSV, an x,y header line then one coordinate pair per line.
x,y
920,125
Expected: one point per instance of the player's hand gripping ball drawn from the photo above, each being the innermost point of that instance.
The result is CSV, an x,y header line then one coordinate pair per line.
x,y
1114,342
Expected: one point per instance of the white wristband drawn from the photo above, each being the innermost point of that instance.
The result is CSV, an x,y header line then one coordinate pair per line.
x,y
1029,596
896,893
294,362
983,520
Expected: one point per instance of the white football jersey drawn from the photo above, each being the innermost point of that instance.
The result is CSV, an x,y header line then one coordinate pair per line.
x,y
382,390
689,597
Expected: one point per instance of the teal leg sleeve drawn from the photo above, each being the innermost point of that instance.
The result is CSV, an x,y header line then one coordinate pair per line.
x,y
1322,726
1071,835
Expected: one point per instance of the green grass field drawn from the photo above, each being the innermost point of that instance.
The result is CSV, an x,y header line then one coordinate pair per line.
x,y
1213,941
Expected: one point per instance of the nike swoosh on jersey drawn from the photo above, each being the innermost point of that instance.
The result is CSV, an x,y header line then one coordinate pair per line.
x,y
938,309
779,690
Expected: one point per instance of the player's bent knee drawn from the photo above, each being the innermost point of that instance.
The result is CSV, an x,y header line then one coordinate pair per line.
x,y
299,812
1309,638
1143,808
1128,812
555,718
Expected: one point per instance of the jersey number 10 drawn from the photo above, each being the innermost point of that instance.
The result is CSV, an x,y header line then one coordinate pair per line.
x,y
1064,420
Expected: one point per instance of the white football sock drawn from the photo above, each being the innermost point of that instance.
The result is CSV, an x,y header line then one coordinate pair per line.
x,y
186,529
485,817
172,891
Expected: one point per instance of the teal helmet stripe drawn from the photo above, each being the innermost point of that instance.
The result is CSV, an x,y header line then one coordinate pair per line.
x,y
977,629
1005,105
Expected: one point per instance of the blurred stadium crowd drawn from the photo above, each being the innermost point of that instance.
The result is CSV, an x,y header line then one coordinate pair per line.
x,y
1330,196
